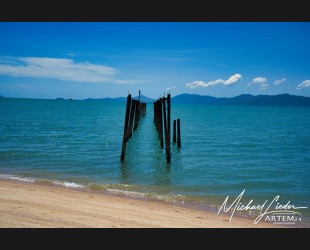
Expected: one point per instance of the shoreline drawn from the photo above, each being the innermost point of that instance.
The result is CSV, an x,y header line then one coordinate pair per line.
x,y
32,205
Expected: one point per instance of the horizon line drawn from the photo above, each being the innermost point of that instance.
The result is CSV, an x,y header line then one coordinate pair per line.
x,y
100,98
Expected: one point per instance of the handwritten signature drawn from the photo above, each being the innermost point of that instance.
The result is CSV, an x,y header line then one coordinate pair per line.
x,y
264,208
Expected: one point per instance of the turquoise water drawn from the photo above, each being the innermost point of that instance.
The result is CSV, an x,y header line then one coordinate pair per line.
x,y
225,149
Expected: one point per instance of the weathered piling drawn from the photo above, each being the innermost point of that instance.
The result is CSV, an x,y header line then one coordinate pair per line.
x,y
131,118
165,123
158,120
168,130
179,133
174,131
134,111
168,110
137,115
162,123
125,136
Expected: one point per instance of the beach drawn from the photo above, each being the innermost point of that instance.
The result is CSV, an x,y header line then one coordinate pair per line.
x,y
33,205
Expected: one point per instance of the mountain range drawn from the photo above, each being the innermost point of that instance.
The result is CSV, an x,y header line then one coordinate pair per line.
x,y
245,99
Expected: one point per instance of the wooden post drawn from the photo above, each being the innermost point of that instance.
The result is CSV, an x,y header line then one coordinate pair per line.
x,y
136,116
126,127
131,119
166,132
179,133
174,130
134,110
168,110
162,120
165,121
168,129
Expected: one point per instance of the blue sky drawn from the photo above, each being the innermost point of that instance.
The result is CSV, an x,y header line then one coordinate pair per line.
x,y
107,59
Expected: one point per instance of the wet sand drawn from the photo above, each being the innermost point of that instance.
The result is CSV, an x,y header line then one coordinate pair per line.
x,y
33,205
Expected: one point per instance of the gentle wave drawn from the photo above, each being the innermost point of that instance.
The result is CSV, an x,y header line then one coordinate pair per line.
x,y
120,189
131,190
17,178
123,189
67,184
37,180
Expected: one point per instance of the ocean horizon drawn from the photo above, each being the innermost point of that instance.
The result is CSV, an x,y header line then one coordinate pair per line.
x,y
264,150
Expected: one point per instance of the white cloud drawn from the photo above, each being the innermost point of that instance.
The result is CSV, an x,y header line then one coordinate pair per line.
x,y
261,81
57,68
230,81
304,84
280,81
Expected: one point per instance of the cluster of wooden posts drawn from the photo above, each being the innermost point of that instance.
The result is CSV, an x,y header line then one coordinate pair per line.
x,y
134,111
162,123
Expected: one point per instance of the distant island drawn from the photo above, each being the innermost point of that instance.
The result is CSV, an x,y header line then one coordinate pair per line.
x,y
245,99
123,99
62,99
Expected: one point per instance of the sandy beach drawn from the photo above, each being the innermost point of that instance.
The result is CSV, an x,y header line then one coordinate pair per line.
x,y
32,205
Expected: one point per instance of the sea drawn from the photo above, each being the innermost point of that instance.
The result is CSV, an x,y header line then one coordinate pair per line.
x,y
242,159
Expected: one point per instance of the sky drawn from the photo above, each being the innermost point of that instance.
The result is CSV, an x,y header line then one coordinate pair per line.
x,y
111,59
